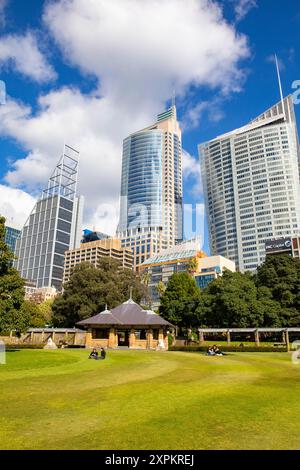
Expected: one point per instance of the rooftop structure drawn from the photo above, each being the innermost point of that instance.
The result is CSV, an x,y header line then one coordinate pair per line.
x,y
127,325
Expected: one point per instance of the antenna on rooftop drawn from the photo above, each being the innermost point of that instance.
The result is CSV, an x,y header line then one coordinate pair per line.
x,y
173,100
280,85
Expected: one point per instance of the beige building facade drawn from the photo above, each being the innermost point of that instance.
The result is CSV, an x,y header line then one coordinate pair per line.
x,y
92,252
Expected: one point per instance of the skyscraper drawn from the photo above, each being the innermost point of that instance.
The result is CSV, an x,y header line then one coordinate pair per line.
x,y
53,227
252,186
11,236
151,188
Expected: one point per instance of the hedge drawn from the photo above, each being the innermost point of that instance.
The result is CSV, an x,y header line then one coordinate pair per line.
x,y
230,348
10,347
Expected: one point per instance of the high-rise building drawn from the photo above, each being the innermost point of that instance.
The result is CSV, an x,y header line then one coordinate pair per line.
x,y
252,187
92,252
53,227
151,188
11,236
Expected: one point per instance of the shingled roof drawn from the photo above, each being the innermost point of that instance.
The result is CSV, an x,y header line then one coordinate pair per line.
x,y
127,314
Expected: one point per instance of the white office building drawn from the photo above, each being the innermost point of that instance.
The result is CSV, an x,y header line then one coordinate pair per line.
x,y
252,187
53,227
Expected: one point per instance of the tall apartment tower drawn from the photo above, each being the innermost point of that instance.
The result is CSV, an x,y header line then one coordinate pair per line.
x,y
151,188
53,227
252,185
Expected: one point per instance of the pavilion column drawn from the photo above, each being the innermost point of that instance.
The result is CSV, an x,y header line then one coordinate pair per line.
x,y
88,339
53,336
112,338
287,340
31,337
149,338
283,337
201,336
256,336
228,338
66,336
43,336
132,338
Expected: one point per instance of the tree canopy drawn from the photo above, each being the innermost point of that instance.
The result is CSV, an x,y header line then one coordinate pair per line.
x,y
11,289
180,299
271,298
90,289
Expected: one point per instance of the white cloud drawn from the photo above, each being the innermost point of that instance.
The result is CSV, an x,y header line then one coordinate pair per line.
x,y
242,8
15,205
192,174
23,53
138,52
209,110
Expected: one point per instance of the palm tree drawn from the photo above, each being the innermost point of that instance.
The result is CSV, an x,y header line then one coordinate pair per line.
x,y
192,265
161,288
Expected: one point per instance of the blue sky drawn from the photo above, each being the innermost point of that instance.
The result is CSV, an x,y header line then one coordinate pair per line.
x,y
89,75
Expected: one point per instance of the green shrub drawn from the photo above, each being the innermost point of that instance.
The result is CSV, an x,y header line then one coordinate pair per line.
x,y
230,348
10,347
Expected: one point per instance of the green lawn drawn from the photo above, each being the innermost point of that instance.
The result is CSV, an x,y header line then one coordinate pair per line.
x,y
149,400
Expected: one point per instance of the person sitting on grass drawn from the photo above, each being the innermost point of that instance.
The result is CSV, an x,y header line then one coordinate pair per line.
x,y
210,351
94,354
102,354
217,350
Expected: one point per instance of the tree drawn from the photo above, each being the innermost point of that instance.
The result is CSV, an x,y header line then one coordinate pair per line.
x,y
178,303
281,274
161,288
11,289
192,265
90,289
45,309
32,315
231,301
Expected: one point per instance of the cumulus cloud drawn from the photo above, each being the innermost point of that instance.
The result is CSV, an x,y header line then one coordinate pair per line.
x,y
242,8
192,173
138,52
15,205
23,54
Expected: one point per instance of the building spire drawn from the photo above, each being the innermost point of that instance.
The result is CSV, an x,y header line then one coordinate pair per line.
x,y
280,85
173,100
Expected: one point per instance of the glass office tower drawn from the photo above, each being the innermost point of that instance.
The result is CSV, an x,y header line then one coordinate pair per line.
x,y
151,188
252,186
11,236
53,227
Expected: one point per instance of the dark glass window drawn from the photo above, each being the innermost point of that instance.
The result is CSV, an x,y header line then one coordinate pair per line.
x,y
155,333
64,226
65,215
140,334
100,333
66,204
63,237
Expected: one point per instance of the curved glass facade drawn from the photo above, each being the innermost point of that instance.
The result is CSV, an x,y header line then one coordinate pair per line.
x,y
141,187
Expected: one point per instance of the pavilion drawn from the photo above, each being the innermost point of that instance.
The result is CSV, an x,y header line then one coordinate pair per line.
x,y
127,326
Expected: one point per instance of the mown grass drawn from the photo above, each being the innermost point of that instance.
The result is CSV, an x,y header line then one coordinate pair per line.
x,y
149,400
